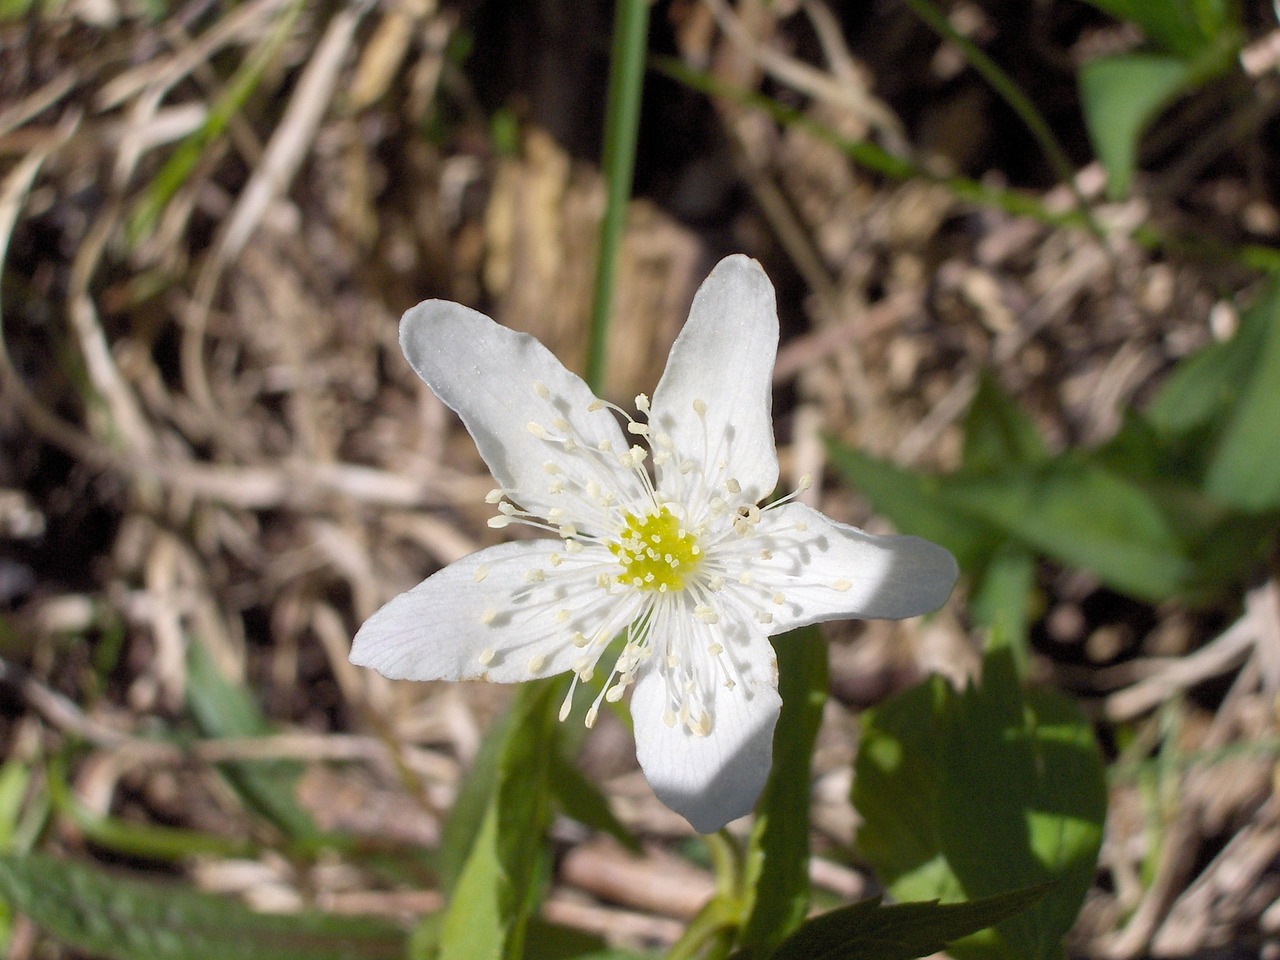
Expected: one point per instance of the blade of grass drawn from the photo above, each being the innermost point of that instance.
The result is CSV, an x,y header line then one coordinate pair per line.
x,y
621,128
178,168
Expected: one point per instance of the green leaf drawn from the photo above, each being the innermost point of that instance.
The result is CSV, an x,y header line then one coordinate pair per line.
x,y
917,504
1001,600
1120,96
495,893
126,918
467,814
1184,27
548,941
582,800
964,794
225,709
1082,514
1245,470
870,931
1205,386
997,432
778,854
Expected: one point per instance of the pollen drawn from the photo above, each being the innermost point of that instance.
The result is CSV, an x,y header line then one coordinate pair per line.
x,y
656,551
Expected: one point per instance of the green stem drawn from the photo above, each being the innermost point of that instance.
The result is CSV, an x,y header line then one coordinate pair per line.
x,y
621,127
1009,91
1017,203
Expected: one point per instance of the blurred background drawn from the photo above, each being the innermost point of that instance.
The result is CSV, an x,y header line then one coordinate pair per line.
x,y
214,462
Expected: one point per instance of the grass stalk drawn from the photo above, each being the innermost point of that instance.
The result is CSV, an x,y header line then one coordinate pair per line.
x,y
621,127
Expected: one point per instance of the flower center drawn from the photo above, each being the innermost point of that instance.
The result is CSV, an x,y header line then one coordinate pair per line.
x,y
656,552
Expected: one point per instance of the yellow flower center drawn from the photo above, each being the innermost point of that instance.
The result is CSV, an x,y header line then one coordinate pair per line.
x,y
656,552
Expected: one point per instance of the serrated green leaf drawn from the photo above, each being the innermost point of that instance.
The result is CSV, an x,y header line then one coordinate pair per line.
x,y
997,432
1120,96
495,894
869,930
963,794
225,709
778,854
126,918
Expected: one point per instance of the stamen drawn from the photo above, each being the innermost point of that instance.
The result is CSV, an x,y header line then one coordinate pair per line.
x,y
482,571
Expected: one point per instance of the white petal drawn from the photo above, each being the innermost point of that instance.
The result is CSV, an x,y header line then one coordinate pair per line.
x,y
724,358
710,780
481,617
824,570
499,381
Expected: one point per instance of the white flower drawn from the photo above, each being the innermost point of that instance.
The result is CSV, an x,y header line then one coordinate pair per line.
x,y
679,562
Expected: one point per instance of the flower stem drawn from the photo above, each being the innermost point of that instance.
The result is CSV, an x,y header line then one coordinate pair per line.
x,y
621,127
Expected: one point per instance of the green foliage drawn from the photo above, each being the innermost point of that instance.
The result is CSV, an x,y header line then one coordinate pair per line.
x,y
869,931
1244,470
225,709
188,155
1121,95
126,918
777,868
1195,41
1180,503
1183,27
496,891
964,794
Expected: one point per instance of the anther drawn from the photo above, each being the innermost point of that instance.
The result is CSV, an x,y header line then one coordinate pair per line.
x,y
488,616
841,585
482,571
699,407
537,662
494,495
538,430
642,403
541,390
486,656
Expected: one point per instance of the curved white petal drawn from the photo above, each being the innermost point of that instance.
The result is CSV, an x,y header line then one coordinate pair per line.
x,y
499,382
826,570
504,626
724,358
712,779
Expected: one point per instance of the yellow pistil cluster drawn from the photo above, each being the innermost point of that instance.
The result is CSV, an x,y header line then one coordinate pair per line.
x,y
656,552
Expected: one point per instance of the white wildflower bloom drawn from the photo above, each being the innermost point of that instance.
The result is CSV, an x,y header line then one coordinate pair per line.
x,y
656,538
